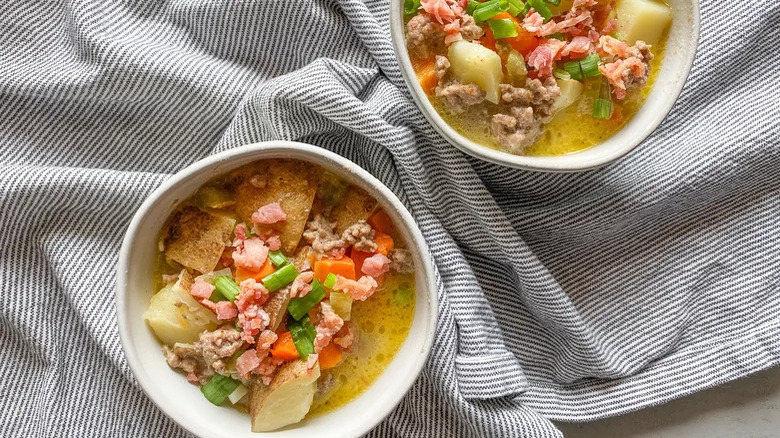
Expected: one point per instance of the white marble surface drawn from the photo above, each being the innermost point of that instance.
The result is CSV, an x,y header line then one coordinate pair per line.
x,y
746,408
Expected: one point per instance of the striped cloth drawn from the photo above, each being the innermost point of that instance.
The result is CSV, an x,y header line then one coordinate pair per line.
x,y
568,297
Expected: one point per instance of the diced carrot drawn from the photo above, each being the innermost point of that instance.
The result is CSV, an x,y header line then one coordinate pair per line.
x,y
330,356
428,81
343,266
381,222
267,269
418,64
284,348
503,15
488,40
524,42
358,257
384,243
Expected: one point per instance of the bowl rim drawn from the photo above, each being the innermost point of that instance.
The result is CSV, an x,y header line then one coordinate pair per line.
x,y
430,320
534,163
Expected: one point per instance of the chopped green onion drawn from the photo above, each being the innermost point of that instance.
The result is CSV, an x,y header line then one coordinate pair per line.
x,y
238,394
280,278
562,74
330,280
411,6
574,69
227,287
402,296
490,9
303,334
472,6
503,28
553,2
277,258
590,65
557,36
602,108
515,7
527,8
299,307
541,8
218,388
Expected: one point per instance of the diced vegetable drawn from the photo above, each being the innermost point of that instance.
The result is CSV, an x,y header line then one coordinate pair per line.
x,y
341,304
359,257
602,108
284,348
238,394
211,277
426,75
574,69
266,270
503,28
286,400
570,92
516,69
411,6
471,62
553,2
490,9
227,287
590,66
330,356
277,258
515,7
541,8
280,278
561,74
299,307
380,221
175,316
218,388
213,197
557,36
472,6
330,280
344,266
384,243
303,334
645,20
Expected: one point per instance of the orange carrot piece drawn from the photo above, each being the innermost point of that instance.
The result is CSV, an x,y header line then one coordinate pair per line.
x,y
426,75
358,257
330,356
343,266
381,221
488,40
267,269
284,348
384,243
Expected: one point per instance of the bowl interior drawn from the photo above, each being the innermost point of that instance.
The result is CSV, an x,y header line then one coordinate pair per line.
x,y
183,401
680,52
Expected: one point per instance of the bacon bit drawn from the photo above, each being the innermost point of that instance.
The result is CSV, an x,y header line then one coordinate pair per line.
x,y
247,362
267,368
542,58
269,214
616,71
534,23
578,46
329,324
613,46
610,26
300,286
202,289
252,321
251,254
209,305
376,265
226,310
574,22
252,292
240,235
345,337
358,290
274,243
444,10
579,3
453,32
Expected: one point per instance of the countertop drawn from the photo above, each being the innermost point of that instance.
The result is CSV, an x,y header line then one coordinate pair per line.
x,y
745,408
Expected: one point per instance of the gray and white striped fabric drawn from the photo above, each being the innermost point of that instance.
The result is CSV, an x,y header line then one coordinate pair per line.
x,y
567,297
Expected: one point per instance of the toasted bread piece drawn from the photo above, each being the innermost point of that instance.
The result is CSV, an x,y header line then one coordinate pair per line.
x,y
195,239
355,205
292,184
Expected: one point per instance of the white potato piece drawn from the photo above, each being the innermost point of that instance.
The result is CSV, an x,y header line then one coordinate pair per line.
x,y
474,63
644,20
570,92
286,400
175,316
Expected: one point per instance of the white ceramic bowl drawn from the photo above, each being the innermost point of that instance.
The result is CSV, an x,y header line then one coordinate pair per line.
x,y
182,401
680,52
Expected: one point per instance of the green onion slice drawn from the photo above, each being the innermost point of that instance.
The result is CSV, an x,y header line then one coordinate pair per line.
x,y
218,388
299,307
277,258
527,8
490,9
515,7
557,36
574,69
541,8
553,2
330,281
411,6
227,287
562,74
602,108
472,6
303,334
280,278
503,28
590,65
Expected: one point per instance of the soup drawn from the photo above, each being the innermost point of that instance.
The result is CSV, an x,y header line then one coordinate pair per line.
x,y
283,291
541,77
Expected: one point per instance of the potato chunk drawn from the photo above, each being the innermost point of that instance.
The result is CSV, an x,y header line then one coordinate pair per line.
x,y
644,20
195,239
286,400
175,316
292,184
471,62
570,92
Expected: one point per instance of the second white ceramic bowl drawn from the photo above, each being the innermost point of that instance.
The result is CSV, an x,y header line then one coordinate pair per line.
x,y
680,52
182,401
